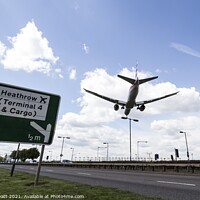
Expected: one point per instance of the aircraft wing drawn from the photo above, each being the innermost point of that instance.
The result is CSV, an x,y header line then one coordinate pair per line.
x,y
156,99
116,101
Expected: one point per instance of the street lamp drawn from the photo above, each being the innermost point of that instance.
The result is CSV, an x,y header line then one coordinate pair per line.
x,y
138,146
72,153
107,148
50,155
130,119
98,152
188,155
62,146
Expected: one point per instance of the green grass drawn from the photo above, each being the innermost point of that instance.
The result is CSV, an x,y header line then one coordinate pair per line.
x,y
21,186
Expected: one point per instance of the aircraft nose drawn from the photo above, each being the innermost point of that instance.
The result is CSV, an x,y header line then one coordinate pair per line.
x,y
127,111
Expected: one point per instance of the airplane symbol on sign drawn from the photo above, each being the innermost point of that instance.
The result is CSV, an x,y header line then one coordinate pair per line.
x,y
43,99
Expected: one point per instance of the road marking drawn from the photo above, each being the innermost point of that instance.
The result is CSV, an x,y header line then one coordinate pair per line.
x,y
176,183
84,173
49,170
31,168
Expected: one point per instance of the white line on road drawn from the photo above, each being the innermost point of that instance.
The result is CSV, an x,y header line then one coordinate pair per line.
x,y
84,174
49,170
176,183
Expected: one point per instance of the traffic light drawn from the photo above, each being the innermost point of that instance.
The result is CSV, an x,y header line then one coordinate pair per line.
x,y
176,153
47,157
156,156
172,157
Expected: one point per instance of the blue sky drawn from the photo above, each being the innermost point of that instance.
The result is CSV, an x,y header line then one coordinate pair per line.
x,y
59,46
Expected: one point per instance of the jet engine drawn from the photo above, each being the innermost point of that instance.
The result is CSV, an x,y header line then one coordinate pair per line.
x,y
116,107
142,107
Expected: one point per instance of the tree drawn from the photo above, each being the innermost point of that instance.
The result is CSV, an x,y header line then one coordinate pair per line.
x,y
13,154
23,155
33,153
1,159
5,158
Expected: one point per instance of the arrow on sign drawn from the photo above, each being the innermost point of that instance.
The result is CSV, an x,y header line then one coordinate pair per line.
x,y
44,132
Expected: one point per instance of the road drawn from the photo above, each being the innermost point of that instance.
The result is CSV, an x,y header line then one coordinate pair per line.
x,y
171,187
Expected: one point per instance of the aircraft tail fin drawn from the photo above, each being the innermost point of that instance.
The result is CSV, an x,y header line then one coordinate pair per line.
x,y
136,71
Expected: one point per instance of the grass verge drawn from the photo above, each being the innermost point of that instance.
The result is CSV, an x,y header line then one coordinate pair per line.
x,y
21,186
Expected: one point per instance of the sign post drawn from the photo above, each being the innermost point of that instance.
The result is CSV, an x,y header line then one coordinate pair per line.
x,y
39,166
16,157
27,116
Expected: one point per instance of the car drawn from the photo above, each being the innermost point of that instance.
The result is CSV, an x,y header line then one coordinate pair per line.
x,y
66,161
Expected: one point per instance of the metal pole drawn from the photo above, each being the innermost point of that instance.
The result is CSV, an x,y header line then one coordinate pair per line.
x,y
97,153
135,120
39,166
62,149
188,155
72,154
107,151
138,150
130,138
16,157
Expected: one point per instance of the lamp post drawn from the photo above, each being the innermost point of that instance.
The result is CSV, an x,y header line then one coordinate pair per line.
x,y
140,141
62,146
98,153
107,148
130,119
188,155
50,155
72,153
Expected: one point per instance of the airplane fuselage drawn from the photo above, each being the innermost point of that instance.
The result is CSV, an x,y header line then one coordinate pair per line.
x,y
133,92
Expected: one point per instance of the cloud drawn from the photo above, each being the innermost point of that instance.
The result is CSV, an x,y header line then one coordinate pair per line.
x,y
167,132
59,72
72,74
158,71
97,122
76,6
88,133
159,124
111,86
173,126
86,48
2,50
185,49
30,51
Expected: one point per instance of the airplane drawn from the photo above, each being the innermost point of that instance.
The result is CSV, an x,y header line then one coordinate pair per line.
x,y
133,92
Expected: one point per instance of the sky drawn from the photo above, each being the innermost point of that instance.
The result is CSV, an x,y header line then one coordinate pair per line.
x,y
61,47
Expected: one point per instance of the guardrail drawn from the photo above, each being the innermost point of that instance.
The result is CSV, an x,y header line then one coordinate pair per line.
x,y
154,167
183,167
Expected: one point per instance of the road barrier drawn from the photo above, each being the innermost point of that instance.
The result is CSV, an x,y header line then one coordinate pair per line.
x,y
154,167
183,167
